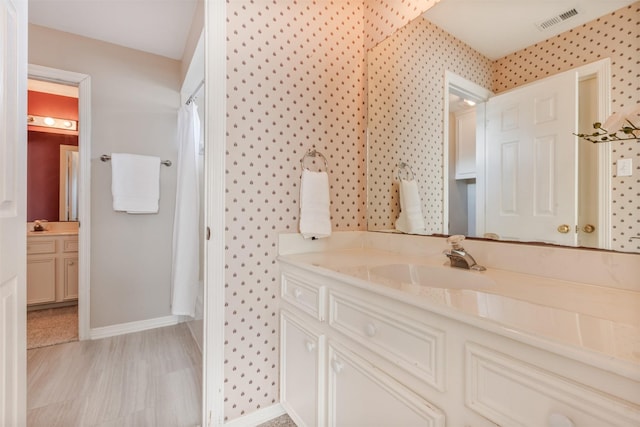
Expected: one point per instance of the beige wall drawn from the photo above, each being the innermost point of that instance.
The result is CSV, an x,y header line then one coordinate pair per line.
x,y
134,103
196,29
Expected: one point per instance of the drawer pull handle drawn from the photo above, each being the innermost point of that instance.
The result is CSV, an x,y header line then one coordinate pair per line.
x,y
297,293
559,420
310,346
71,262
370,329
338,366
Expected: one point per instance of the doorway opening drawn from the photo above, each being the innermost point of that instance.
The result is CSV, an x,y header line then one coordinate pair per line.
x,y
463,136
58,244
52,206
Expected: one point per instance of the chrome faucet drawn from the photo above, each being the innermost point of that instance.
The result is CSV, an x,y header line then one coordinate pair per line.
x,y
460,258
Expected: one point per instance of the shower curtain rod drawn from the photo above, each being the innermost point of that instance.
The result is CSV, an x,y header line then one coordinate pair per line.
x,y
193,95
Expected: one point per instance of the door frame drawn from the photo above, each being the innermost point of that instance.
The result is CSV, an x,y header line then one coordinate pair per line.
x,y
480,95
83,82
601,70
215,28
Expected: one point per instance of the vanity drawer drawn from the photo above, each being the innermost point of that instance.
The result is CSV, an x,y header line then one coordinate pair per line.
x,y
70,245
512,392
41,246
415,347
304,294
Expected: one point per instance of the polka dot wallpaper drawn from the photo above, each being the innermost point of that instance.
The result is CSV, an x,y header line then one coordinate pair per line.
x,y
295,81
383,17
615,36
406,100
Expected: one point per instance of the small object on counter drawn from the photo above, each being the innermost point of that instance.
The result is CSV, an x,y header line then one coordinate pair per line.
x,y
39,225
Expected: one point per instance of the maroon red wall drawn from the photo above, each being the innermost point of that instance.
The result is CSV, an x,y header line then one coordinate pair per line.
x,y
48,105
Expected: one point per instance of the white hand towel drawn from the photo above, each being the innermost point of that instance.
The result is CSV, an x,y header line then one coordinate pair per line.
x,y
315,218
135,183
410,219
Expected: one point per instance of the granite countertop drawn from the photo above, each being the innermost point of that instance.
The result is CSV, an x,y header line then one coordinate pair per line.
x,y
596,324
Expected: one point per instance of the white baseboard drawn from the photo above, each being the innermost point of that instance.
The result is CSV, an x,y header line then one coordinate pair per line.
x,y
258,417
127,328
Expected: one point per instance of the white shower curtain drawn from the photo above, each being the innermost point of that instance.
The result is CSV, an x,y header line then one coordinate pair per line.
x,y
186,245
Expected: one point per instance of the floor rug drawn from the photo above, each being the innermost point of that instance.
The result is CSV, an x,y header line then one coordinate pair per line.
x,y
52,326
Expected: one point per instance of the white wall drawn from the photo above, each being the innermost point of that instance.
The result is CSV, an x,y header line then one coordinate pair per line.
x,y
134,103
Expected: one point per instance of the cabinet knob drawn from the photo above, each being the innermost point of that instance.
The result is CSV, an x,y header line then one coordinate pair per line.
x,y
310,345
564,228
559,420
297,293
71,262
370,329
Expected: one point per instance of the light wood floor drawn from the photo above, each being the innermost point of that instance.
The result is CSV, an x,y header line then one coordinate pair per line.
x,y
150,378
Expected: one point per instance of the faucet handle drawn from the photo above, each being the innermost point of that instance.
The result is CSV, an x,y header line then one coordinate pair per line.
x,y
455,241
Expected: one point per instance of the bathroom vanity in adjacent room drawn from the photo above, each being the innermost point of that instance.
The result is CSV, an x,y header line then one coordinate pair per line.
x,y
52,264
368,339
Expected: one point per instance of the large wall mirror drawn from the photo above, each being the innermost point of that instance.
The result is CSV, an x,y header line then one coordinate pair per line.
x,y
472,111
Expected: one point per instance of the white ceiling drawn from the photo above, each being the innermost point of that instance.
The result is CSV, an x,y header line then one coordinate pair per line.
x,y
493,27
497,28
160,27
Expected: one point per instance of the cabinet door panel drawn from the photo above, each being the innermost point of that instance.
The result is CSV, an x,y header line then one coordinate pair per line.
x,y
41,246
302,361
69,280
360,395
511,392
41,280
414,346
70,245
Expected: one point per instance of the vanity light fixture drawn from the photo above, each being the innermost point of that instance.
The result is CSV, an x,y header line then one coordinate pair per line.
x,y
52,122
469,102
627,130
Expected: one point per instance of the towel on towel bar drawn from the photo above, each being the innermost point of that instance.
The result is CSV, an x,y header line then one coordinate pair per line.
x,y
315,218
135,183
410,219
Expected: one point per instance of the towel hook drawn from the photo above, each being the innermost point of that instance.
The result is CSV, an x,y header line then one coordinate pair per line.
x,y
313,153
402,166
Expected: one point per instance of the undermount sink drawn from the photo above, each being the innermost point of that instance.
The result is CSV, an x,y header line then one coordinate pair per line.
x,y
433,276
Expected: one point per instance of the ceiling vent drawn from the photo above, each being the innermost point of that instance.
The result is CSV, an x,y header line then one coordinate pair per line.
x,y
548,23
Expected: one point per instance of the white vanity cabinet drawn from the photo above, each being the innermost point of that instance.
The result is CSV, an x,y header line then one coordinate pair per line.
x,y
327,379
302,371
52,269
354,355
361,393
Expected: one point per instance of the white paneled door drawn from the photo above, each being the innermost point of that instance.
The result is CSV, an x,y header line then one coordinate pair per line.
x,y
13,146
531,162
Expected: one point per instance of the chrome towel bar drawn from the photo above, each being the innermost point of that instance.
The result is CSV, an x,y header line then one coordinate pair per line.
x,y
106,158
